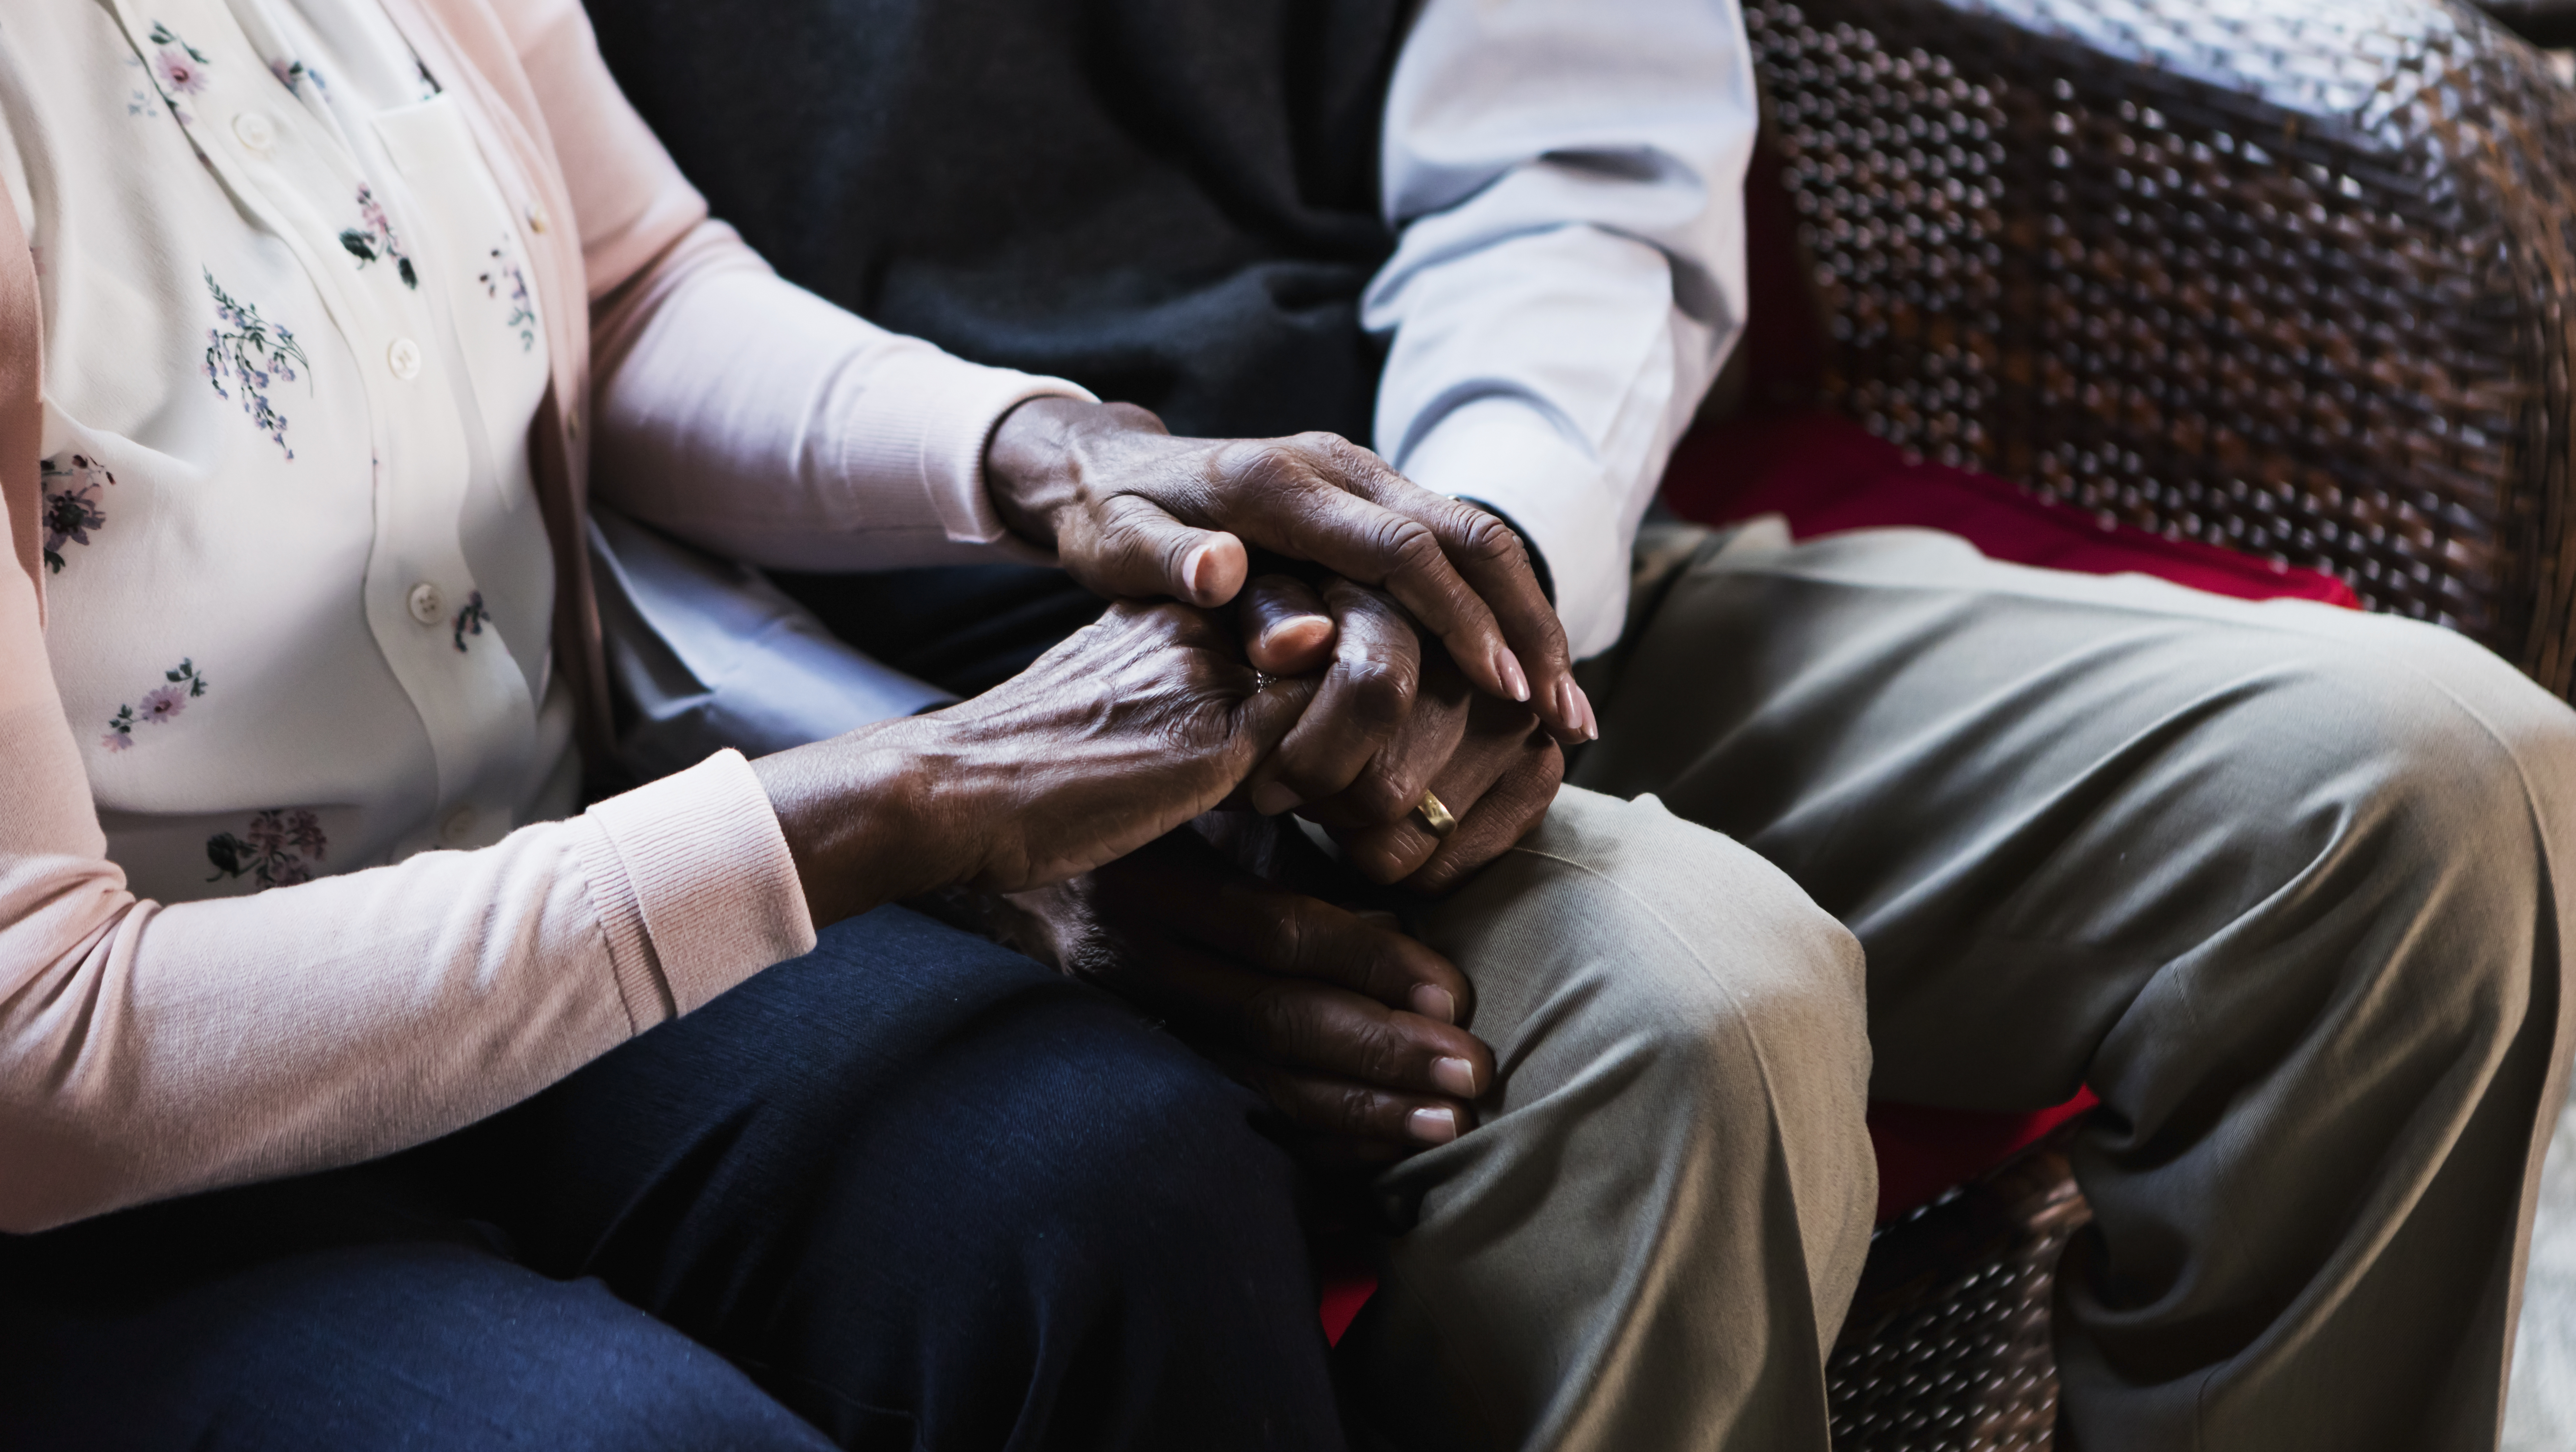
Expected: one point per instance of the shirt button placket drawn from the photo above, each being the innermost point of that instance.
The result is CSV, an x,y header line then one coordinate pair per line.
x,y
254,131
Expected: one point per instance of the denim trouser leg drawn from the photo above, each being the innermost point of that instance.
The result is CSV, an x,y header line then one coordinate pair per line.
x,y
912,1188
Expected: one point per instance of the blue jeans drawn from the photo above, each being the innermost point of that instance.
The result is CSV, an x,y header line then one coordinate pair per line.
x,y
910,1190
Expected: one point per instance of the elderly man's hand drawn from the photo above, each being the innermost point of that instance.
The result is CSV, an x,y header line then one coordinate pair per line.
x,y
1350,1028
1136,513
1393,719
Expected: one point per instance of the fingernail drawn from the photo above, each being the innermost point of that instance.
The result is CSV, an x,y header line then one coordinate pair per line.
x,y
1199,571
1432,1126
1271,798
1312,628
1591,720
1509,669
1434,1002
1454,1076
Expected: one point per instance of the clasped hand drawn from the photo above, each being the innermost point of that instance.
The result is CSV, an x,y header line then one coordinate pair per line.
x,y
1066,795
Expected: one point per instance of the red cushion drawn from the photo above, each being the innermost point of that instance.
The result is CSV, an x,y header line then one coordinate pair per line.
x,y
1826,473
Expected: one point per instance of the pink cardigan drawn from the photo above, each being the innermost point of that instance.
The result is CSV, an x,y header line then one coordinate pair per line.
x,y
150,1050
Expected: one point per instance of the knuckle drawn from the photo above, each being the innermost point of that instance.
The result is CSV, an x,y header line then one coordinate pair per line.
x,y
1381,691
1486,540
1379,797
1352,1109
1273,1024
1411,545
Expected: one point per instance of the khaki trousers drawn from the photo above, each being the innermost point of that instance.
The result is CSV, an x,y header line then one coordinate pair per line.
x,y
2284,884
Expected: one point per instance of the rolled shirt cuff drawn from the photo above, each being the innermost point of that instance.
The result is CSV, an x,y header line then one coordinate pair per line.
x,y
1501,452
694,887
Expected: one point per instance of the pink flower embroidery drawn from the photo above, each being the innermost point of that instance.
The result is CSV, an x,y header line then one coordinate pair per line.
x,y
160,704
179,73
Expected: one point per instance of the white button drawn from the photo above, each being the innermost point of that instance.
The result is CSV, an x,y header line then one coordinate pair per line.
x,y
254,131
404,359
458,827
536,218
427,605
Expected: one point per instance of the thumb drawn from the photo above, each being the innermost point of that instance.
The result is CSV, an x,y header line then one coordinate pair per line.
x,y
1141,553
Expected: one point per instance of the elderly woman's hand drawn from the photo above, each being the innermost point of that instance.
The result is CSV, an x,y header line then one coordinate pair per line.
x,y
1130,728
1134,512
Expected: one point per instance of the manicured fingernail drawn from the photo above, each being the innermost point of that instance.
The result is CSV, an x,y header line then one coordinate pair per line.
x,y
1509,669
1271,798
1454,1076
1199,571
1297,632
1434,1002
1591,720
1432,1126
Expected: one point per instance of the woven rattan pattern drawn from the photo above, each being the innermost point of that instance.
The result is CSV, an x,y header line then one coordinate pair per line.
x,y
1947,1347
2289,276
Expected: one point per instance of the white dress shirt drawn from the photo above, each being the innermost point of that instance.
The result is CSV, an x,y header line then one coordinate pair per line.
x,y
1567,177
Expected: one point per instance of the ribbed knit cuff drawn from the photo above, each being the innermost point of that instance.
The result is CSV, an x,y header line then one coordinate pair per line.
x,y
694,887
936,413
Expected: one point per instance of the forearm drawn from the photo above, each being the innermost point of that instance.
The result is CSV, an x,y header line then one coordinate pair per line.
x,y
751,417
148,1051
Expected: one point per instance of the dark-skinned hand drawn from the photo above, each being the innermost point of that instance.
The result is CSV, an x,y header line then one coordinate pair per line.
x,y
1131,727
1351,1029
1135,513
1393,717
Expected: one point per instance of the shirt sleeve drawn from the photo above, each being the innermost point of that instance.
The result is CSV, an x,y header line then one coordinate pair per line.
x,y
1567,181
150,1050
744,414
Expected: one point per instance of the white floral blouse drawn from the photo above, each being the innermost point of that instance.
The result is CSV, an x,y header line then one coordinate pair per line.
x,y
300,591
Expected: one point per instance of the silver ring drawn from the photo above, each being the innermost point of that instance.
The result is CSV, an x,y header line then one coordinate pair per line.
x,y
1261,681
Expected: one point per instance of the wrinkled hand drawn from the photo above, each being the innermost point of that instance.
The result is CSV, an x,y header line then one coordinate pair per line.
x,y
1392,719
1350,1028
1136,513
1125,731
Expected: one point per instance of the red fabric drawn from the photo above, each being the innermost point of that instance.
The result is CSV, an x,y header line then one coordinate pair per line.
x,y
1827,473
1923,1152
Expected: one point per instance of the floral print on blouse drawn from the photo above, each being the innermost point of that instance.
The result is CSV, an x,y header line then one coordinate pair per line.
x,y
291,549
276,849
161,705
247,349
72,507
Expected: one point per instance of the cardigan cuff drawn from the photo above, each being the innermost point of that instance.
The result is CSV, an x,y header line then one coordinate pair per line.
x,y
694,887
932,416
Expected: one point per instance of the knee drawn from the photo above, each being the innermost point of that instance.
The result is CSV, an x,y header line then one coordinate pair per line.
x,y
1622,945
1150,1158
2419,753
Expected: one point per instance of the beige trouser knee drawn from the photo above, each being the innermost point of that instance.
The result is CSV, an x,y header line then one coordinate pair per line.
x,y
2286,886
1650,1240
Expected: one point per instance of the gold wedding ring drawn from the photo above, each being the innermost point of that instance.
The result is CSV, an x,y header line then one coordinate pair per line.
x,y
1435,815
